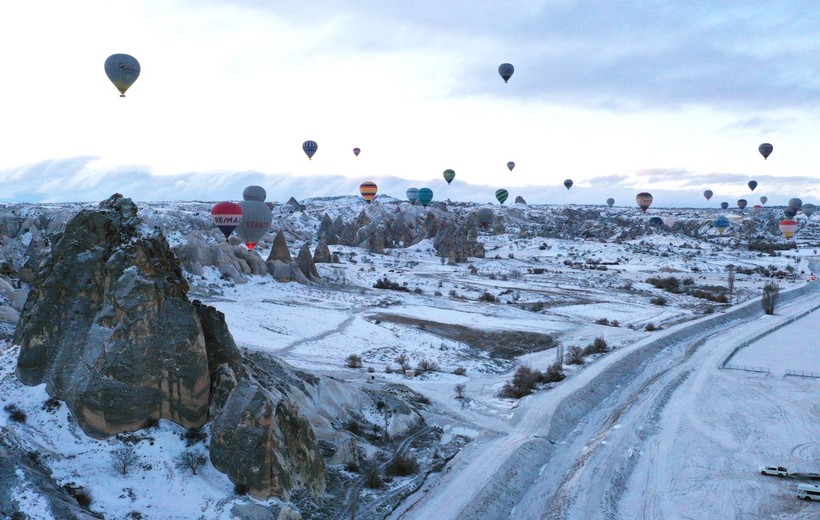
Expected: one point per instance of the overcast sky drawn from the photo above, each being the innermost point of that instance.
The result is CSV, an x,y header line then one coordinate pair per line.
x,y
669,97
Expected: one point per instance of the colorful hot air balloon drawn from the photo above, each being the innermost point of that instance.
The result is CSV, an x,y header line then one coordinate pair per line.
x,y
764,199
752,185
356,151
310,148
368,190
449,175
568,183
506,71
644,200
724,205
795,204
757,208
256,219
721,224
425,196
610,201
808,209
789,213
123,70
669,221
741,203
788,228
708,194
511,165
484,217
412,194
226,216
765,150
501,195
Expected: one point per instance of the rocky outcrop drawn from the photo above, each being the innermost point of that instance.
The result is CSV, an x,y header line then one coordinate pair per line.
x,y
280,250
305,263
109,329
321,255
520,200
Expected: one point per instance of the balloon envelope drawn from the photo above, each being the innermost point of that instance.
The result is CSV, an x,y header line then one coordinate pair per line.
x,y
568,183
757,208
808,209
765,150
226,216
708,194
741,203
412,194
510,165
656,221
610,201
123,70
505,70
256,219
644,200
425,196
721,223
752,185
310,148
356,151
788,228
449,175
669,221
485,217
368,190
257,193
789,213
501,195
763,199
795,204
724,205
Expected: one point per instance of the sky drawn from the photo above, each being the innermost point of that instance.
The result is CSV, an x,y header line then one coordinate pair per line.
x,y
662,96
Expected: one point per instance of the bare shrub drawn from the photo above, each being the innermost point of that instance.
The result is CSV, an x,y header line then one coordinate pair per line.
x,y
771,294
575,356
401,466
15,413
461,388
658,300
425,365
459,371
372,476
598,346
523,382
354,361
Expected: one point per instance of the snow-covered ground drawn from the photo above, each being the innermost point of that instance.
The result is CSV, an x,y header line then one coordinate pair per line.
x,y
653,429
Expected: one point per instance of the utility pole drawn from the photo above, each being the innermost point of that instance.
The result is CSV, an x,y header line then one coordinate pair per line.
x,y
731,279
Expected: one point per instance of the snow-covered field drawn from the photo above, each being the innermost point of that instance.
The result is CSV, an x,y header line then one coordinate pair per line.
x,y
653,429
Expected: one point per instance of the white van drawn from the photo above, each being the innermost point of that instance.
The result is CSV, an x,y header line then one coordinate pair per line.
x,y
808,492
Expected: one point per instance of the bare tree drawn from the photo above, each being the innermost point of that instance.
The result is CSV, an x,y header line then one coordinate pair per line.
x,y
123,458
461,388
771,293
191,460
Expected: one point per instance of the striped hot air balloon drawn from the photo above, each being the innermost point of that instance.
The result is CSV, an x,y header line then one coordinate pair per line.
x,y
501,195
310,148
368,190
226,216
412,195
425,196
788,228
644,200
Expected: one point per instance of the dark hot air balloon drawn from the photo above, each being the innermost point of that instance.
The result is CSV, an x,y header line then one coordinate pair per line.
x,y
368,190
568,183
708,194
808,209
356,151
123,70
310,148
412,194
511,165
789,213
610,201
765,150
764,199
656,222
484,217
795,204
501,195
752,185
425,196
724,205
226,216
449,175
741,203
644,200
506,71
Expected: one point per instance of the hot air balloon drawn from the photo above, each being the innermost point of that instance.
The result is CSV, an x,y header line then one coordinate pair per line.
x,y
708,194
226,216
724,205
368,190
721,224
356,151
765,150
501,195
795,204
669,221
511,165
310,148
752,185
506,71
256,219
757,208
763,199
568,183
123,70
656,222
644,200
789,213
449,175
610,201
808,209
484,217
257,193
412,194
788,228
741,203
425,196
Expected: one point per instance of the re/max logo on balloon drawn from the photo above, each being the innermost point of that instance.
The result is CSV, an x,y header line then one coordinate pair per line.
x,y
221,220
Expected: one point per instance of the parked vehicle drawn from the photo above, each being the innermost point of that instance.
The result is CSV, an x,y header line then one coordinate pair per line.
x,y
778,471
808,492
